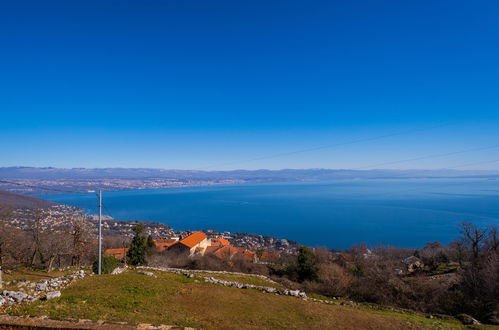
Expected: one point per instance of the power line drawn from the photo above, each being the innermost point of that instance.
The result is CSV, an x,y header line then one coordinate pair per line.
x,y
327,146
471,164
107,211
428,157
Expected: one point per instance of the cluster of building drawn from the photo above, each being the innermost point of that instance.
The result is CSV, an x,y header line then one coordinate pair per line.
x,y
52,218
199,244
28,186
252,242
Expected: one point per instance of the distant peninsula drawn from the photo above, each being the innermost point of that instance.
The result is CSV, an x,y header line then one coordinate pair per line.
x,y
27,180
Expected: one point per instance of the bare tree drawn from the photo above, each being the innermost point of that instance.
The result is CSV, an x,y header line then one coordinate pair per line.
x,y
37,233
474,238
80,234
458,251
493,239
5,214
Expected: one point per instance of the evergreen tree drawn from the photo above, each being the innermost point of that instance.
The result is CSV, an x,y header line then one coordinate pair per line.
x,y
150,242
307,264
136,253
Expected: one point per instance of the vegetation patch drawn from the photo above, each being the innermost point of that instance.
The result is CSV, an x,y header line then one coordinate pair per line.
x,y
243,279
27,274
177,300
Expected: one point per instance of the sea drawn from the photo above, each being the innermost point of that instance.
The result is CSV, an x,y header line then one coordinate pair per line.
x,y
405,213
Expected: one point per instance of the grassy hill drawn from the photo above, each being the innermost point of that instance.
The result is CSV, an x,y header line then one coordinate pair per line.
x,y
21,201
172,299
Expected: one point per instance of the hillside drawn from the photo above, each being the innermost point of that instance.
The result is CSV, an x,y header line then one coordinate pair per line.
x,y
178,300
21,201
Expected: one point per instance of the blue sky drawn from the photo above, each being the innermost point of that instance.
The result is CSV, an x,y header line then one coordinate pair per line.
x,y
214,84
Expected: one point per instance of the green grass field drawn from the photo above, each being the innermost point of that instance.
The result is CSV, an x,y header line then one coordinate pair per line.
x,y
243,279
177,300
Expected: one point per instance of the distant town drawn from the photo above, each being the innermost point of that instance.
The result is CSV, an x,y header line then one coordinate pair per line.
x,y
31,186
56,219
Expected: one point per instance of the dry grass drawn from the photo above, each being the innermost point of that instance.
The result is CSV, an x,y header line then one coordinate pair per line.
x,y
177,300
25,274
243,279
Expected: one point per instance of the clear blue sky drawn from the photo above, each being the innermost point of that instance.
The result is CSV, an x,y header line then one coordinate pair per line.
x,y
194,84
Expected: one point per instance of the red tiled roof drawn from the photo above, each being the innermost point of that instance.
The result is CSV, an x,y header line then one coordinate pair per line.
x,y
211,249
193,239
219,242
230,252
269,256
116,251
162,244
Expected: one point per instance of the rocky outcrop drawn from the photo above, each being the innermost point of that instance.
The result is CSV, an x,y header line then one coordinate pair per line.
x,y
32,291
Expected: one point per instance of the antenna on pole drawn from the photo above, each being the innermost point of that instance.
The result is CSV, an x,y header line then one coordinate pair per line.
x,y
100,232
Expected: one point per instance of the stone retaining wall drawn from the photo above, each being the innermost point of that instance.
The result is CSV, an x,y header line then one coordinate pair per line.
x,y
31,291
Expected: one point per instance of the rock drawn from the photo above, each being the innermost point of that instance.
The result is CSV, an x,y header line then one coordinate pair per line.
x,y
16,296
42,286
294,293
118,270
53,294
143,272
466,319
84,321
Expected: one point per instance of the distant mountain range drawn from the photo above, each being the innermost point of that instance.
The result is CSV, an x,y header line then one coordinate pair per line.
x,y
51,173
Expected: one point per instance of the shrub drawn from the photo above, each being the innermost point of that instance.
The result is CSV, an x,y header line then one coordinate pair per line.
x,y
109,264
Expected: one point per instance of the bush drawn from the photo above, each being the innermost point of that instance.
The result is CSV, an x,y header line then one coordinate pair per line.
x,y
109,264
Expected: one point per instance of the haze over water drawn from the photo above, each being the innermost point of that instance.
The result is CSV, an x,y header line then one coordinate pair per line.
x,y
406,213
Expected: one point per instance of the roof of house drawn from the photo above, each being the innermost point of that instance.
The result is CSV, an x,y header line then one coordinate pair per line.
x,y
162,244
193,239
219,242
230,252
116,251
211,249
269,256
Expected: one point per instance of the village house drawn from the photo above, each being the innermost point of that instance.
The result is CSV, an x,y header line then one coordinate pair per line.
x,y
119,254
164,244
219,242
229,252
196,243
199,243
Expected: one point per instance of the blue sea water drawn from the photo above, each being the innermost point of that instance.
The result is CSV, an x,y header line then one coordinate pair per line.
x,y
406,213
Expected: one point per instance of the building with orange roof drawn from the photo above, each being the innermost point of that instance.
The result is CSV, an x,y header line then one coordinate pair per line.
x,y
229,252
163,244
219,242
117,253
196,243
268,257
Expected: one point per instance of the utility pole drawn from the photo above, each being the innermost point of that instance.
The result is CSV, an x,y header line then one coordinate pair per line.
x,y
100,232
